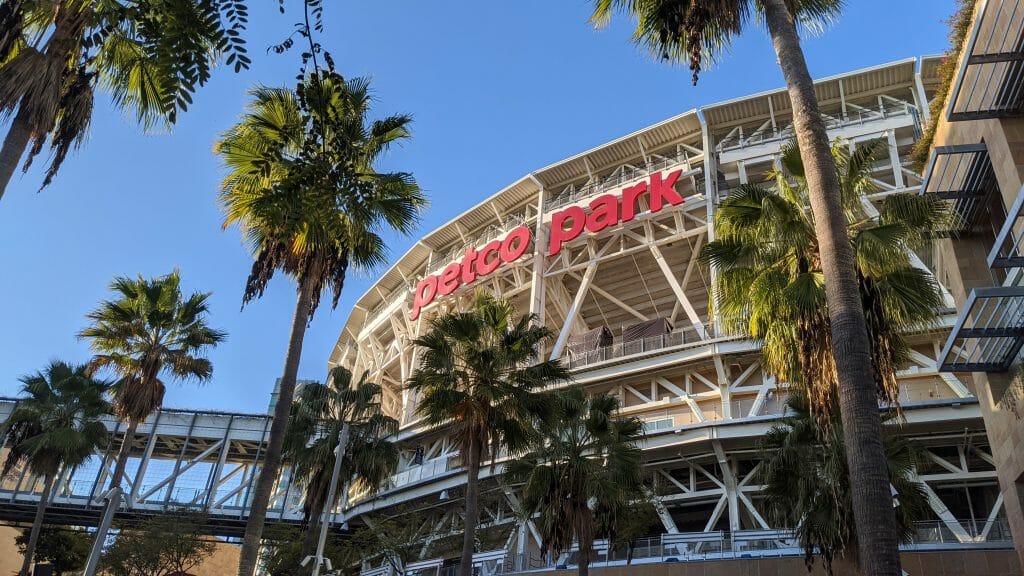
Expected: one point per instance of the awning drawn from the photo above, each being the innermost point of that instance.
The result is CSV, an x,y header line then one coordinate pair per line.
x,y
990,82
963,175
1008,251
989,332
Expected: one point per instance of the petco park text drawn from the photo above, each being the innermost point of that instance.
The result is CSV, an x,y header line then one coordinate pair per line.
x,y
566,225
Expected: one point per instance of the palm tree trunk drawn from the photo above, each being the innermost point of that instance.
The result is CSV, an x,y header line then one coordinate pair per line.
x,y
309,542
272,456
15,143
37,526
872,503
585,537
472,509
584,568
122,455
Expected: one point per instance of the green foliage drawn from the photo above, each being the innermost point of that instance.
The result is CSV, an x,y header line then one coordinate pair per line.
x,y
959,26
479,375
66,549
633,520
397,538
771,286
315,427
807,482
148,332
149,55
58,421
303,188
166,544
583,472
698,31
283,552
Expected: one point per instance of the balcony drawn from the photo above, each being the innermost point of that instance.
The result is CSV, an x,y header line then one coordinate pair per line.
x,y
963,176
680,338
990,82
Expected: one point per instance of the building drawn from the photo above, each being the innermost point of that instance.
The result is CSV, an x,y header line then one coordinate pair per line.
x,y
977,163
629,302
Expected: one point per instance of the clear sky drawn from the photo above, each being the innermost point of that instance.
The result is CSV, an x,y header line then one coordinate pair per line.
x,y
497,89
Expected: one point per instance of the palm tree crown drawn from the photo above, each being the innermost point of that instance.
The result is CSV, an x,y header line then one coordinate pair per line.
x,y
771,286
478,374
149,56
58,422
303,188
586,467
807,484
697,31
57,425
315,429
479,377
150,331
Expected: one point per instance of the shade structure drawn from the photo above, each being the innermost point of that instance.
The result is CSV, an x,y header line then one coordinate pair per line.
x,y
989,333
963,176
990,82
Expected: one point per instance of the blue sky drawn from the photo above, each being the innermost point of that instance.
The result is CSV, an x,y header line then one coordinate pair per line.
x,y
495,92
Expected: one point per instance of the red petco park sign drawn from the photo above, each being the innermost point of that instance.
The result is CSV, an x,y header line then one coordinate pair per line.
x,y
566,225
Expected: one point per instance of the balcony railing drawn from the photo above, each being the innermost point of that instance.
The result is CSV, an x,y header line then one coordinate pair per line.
x,y
681,337
703,546
622,175
854,115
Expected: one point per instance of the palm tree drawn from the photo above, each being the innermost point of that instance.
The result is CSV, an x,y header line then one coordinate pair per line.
x,y
586,466
479,376
770,273
303,188
149,56
148,332
336,416
58,425
694,30
807,486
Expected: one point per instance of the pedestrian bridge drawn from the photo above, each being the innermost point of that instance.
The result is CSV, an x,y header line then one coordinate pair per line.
x,y
197,460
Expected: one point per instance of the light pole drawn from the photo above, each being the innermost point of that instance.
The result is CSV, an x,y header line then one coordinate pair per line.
x,y
339,452
113,498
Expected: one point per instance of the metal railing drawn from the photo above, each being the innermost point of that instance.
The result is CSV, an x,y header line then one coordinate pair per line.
x,y
833,120
681,337
622,175
703,546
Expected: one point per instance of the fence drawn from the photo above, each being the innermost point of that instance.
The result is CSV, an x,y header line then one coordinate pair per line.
x,y
701,546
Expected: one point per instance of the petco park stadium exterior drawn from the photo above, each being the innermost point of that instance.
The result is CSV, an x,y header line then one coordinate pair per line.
x,y
603,248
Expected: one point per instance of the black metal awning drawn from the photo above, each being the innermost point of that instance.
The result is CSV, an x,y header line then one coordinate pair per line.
x,y
1008,250
990,82
989,333
963,175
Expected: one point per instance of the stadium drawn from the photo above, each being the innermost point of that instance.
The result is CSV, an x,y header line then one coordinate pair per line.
x,y
603,247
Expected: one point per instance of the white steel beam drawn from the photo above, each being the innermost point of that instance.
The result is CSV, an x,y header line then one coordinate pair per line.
x,y
581,292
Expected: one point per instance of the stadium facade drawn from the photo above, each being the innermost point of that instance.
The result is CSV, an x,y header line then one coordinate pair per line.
x,y
603,247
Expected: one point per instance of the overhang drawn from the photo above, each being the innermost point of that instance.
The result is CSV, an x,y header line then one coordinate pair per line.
x,y
963,176
990,81
989,332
